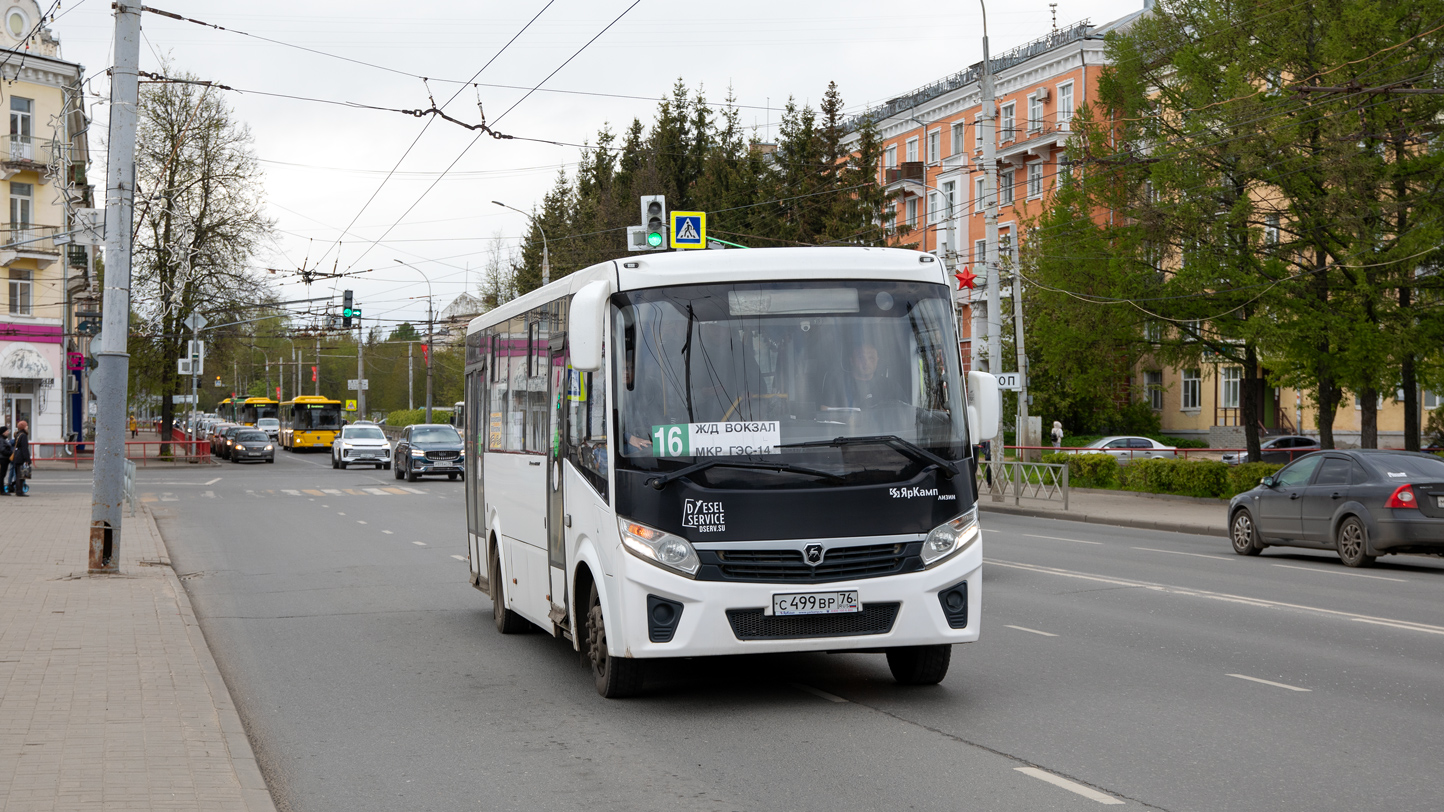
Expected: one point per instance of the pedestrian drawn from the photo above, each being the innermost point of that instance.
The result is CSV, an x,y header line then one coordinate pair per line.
x,y
6,446
134,427
1057,434
20,458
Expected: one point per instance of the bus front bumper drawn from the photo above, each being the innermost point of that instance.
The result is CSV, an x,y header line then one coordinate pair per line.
x,y
730,617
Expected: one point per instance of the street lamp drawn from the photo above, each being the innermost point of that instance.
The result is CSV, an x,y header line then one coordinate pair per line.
x,y
429,328
546,263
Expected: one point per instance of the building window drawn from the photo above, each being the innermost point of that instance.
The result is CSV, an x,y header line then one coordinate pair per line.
x,y
935,209
980,188
1192,390
955,143
950,197
1035,179
21,111
1005,250
1153,332
912,211
21,197
890,161
1005,187
935,139
1431,400
980,252
889,218
1232,381
20,298
1065,103
912,150
1009,119
1271,229
1153,385
1035,113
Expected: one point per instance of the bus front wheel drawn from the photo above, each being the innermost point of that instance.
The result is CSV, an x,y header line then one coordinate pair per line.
x,y
919,665
507,621
616,677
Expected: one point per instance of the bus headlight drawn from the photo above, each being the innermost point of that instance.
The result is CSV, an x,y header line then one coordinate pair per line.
x,y
660,548
950,538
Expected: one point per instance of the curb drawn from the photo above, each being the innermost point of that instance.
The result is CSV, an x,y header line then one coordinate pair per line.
x,y
1166,497
1140,524
254,792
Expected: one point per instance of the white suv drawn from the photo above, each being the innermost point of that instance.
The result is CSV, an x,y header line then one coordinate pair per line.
x,y
361,444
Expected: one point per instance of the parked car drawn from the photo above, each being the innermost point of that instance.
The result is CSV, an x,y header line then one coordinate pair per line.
x,y
1130,448
228,438
361,444
271,426
252,444
217,438
427,449
1362,503
1286,448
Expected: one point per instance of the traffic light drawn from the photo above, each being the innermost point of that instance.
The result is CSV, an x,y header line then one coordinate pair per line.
x,y
346,310
654,222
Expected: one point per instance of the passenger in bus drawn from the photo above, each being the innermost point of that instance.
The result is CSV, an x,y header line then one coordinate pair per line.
x,y
863,385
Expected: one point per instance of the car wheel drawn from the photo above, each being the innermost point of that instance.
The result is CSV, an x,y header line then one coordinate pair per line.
x,y
396,470
919,665
410,474
507,621
616,677
386,466
451,477
333,461
272,459
1244,534
343,464
1353,543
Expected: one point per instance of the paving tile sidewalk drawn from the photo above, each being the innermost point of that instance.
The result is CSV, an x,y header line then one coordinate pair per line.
x,y
1178,514
109,697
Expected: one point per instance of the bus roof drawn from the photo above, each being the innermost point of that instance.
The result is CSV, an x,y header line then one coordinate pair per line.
x,y
304,399
753,265
258,401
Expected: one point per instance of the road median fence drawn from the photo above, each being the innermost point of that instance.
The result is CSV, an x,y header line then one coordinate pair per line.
x,y
140,452
1031,480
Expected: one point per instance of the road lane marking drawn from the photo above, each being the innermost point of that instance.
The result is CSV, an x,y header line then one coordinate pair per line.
x,y
1202,593
1335,572
1399,626
1176,552
331,491
339,513
396,491
213,481
1057,538
460,558
354,492
209,494
1271,682
312,492
815,692
376,491
413,490
388,532
419,543
290,492
1031,631
1072,786
358,521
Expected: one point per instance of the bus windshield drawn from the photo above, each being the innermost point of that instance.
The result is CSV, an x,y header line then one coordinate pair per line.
x,y
746,370
311,417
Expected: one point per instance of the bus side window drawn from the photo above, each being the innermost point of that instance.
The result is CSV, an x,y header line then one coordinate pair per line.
x,y
496,404
587,424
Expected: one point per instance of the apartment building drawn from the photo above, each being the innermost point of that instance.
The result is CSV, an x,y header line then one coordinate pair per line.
x,y
42,164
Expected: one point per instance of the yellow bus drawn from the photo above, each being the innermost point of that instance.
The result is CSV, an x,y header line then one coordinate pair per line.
x,y
227,409
309,421
250,410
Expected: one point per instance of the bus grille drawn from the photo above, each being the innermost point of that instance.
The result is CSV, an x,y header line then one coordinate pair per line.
x,y
751,624
838,564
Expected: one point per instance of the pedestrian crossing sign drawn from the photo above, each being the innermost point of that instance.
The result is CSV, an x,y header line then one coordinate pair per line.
x,y
689,229
350,405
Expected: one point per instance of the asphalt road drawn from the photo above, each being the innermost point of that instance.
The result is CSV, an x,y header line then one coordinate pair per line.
x,y
1157,669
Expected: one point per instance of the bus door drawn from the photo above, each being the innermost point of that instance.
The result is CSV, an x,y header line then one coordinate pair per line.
x,y
556,497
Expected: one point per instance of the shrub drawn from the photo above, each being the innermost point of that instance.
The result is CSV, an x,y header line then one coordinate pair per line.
x,y
1086,470
1182,442
1207,478
1246,476
401,418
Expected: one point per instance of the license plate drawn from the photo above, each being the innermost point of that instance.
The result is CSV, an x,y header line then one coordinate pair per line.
x,y
816,603
1441,501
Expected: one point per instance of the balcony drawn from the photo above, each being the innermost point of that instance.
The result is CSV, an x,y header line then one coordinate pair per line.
x,y
24,153
28,241
908,174
1036,141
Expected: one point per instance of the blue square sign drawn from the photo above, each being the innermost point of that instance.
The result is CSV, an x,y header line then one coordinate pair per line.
x,y
689,229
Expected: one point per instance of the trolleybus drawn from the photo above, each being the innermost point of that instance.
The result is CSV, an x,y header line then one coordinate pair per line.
x,y
729,452
309,422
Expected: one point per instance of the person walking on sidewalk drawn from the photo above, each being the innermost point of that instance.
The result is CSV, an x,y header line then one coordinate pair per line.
x,y
5,448
134,427
20,458
1057,434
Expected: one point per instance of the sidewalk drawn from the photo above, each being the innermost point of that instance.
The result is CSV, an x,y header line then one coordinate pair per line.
x,y
1149,511
109,697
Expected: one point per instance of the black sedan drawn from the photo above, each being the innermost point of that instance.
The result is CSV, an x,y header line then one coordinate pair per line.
x,y
427,449
228,440
1278,450
1362,503
251,444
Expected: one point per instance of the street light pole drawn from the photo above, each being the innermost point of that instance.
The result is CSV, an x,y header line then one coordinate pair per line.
x,y
546,262
430,318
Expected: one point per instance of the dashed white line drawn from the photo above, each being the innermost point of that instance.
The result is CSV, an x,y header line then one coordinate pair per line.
x,y
1030,631
388,532
1336,572
214,481
209,494
1072,786
358,521
1271,682
1057,538
289,492
419,543
1177,552
332,491
1400,626
460,558
815,692
339,513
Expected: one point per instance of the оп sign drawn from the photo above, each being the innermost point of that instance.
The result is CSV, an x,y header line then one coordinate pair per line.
x,y
1011,381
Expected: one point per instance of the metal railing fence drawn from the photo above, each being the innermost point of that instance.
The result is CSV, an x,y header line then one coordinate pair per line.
x,y
1034,480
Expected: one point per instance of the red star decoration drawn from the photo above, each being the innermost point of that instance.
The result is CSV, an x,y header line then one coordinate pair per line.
x,y
966,278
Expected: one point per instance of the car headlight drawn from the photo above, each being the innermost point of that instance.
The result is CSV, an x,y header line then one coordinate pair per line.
x,y
268,448
950,538
660,548
416,452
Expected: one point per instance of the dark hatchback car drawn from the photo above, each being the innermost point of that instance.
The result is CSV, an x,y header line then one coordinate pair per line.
x,y
1362,503
252,444
426,450
228,440
1278,450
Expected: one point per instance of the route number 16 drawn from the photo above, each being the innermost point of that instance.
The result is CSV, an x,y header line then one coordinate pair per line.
x,y
669,441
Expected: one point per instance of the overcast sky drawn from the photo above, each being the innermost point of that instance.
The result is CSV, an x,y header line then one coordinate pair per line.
x,y
322,162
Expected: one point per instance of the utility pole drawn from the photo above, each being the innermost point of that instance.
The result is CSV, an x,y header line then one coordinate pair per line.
x,y
360,371
990,207
318,366
428,348
410,345
111,377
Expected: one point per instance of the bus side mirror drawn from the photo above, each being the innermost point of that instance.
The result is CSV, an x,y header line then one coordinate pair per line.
x,y
985,407
586,324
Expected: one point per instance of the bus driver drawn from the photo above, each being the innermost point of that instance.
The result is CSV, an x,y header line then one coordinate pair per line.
x,y
861,385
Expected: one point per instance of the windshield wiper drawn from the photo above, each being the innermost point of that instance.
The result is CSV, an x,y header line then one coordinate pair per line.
x,y
907,449
660,482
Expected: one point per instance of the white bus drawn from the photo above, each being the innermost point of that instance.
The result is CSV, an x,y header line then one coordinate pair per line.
x,y
729,452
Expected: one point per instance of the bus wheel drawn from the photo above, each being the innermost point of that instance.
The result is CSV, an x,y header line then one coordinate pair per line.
x,y
919,665
507,621
616,677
